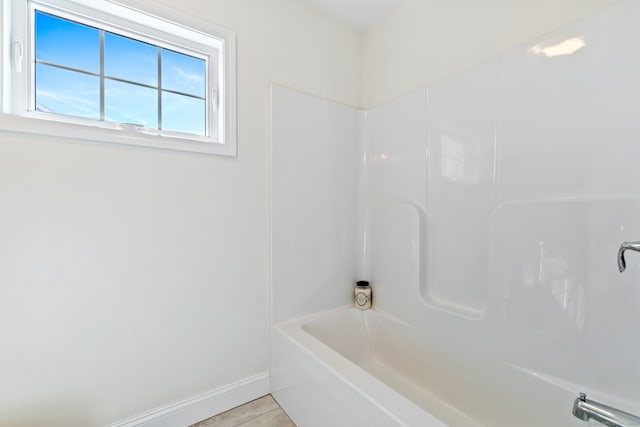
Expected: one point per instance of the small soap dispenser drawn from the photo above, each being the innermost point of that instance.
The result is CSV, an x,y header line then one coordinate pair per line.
x,y
362,295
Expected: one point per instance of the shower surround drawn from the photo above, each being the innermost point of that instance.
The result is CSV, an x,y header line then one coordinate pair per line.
x,y
487,211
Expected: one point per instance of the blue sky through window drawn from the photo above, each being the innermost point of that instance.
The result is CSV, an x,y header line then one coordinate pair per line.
x,y
130,59
67,43
68,78
183,73
128,103
183,113
67,92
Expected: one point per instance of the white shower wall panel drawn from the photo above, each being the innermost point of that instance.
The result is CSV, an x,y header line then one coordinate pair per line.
x,y
396,178
316,172
568,192
460,192
560,291
497,200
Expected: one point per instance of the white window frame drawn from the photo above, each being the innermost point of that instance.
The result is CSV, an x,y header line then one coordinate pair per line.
x,y
17,62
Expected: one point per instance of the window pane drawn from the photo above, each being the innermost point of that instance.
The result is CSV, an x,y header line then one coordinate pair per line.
x,y
183,114
183,73
128,103
131,60
67,92
67,43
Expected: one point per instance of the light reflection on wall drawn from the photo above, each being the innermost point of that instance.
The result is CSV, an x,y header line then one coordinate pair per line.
x,y
452,160
553,277
566,47
379,157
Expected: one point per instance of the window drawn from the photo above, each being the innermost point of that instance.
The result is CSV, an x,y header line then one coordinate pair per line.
x,y
99,70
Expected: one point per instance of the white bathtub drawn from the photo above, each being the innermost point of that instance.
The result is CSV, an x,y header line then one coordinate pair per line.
x,y
359,368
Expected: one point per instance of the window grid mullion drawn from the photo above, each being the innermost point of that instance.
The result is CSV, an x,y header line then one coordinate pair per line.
x,y
102,118
117,79
159,88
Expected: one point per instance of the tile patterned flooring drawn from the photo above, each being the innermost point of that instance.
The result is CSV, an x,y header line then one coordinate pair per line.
x,y
263,412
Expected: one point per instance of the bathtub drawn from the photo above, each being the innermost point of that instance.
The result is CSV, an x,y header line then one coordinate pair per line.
x,y
356,368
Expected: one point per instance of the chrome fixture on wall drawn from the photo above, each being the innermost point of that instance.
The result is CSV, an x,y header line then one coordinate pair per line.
x,y
587,409
634,246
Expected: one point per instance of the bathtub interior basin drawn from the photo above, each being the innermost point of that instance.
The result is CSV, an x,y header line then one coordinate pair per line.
x,y
418,379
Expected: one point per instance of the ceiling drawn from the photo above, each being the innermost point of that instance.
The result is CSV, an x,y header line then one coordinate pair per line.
x,y
357,14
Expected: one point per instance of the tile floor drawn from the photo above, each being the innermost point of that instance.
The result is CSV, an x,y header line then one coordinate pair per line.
x,y
263,412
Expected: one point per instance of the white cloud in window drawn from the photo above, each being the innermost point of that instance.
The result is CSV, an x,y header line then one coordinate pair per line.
x,y
81,103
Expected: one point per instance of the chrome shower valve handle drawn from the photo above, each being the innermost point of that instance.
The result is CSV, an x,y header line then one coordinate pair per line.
x,y
633,246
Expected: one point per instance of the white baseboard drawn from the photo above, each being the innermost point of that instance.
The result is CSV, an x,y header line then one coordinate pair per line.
x,y
200,407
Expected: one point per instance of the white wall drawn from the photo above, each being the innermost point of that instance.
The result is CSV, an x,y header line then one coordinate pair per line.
x,y
424,41
133,277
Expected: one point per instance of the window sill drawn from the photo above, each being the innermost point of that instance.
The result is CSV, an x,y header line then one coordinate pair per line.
x,y
10,123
